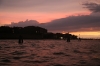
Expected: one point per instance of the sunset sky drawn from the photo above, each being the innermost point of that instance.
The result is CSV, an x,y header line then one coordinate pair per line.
x,y
74,16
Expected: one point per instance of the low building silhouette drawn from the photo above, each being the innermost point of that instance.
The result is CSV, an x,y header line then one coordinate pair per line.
x,y
30,32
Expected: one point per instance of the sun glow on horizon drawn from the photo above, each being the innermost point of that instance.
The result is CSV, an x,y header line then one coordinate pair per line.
x,y
94,34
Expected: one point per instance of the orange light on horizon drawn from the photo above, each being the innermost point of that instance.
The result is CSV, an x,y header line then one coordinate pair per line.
x,y
92,34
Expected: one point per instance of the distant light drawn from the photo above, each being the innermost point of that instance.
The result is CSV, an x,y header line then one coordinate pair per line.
x,y
61,37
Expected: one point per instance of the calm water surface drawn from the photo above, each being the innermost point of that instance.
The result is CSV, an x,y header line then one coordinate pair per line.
x,y
50,53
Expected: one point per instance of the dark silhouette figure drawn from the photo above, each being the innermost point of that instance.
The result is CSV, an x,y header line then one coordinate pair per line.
x,y
79,39
68,37
20,39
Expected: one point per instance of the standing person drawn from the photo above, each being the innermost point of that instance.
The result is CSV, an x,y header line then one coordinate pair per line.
x,y
79,38
68,37
20,39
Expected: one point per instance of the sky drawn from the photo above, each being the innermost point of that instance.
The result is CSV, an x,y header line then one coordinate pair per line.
x,y
79,17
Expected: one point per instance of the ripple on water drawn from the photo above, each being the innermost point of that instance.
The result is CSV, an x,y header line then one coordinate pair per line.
x,y
18,53
49,53
56,64
58,53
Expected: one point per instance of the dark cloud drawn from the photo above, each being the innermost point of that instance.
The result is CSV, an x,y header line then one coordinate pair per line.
x,y
75,23
25,23
70,24
94,7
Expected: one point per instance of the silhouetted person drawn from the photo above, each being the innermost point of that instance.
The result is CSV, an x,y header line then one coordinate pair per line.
x,y
68,37
20,39
79,39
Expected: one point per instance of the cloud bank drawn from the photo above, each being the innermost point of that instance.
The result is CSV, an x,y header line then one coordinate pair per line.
x,y
25,23
94,7
71,23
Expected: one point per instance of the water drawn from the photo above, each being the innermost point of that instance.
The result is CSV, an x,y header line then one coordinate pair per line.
x,y
50,53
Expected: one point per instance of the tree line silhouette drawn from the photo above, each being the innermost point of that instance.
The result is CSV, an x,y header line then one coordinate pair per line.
x,y
31,32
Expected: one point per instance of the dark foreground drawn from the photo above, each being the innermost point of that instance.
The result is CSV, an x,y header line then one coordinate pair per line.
x,y
50,53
